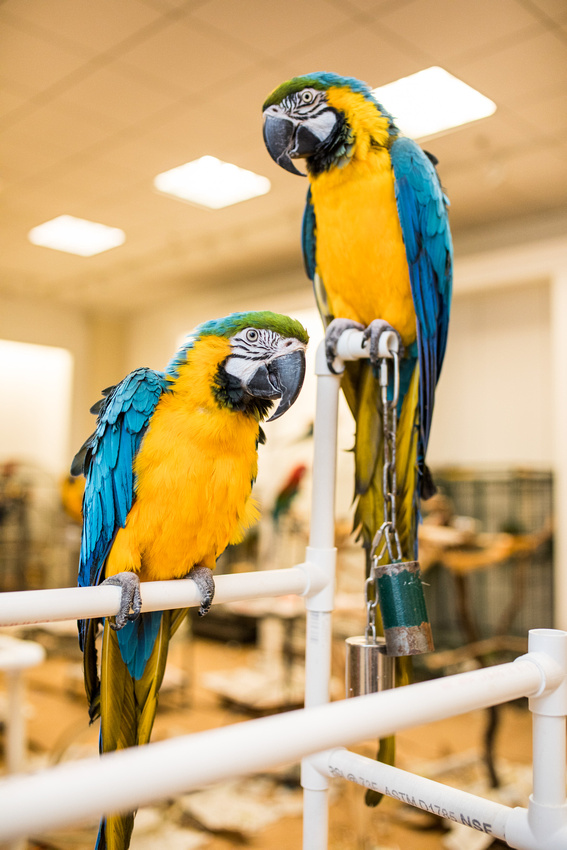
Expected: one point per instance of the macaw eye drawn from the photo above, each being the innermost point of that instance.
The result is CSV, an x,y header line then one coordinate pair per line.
x,y
252,335
307,97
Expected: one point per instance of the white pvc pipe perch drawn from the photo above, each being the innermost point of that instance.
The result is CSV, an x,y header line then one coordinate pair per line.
x,y
71,603
322,552
15,657
74,791
318,626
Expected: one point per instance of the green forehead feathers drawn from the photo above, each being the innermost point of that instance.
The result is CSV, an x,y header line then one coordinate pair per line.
x,y
320,81
233,324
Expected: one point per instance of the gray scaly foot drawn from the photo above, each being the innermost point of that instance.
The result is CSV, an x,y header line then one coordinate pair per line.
x,y
373,333
130,598
332,335
203,578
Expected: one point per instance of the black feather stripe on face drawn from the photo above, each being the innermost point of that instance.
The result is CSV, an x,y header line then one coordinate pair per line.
x,y
229,393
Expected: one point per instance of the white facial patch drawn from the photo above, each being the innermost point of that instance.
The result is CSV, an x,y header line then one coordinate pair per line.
x,y
322,124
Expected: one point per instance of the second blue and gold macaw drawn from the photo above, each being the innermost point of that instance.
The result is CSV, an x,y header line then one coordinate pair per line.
x,y
377,246
169,472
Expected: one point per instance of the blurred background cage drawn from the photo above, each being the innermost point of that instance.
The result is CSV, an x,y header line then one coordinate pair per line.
x,y
498,577
39,534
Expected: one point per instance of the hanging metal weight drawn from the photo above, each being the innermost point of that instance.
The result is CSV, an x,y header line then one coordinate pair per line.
x,y
369,668
402,605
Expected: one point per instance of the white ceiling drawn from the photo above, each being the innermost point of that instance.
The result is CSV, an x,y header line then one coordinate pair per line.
x,y
97,97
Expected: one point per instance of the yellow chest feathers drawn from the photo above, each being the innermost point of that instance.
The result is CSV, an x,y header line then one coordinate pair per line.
x,y
360,253
194,475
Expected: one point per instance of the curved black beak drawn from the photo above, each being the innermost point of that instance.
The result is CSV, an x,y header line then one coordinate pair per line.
x,y
279,137
282,378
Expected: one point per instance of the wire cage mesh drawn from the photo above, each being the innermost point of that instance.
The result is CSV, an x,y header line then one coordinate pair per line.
x,y
510,595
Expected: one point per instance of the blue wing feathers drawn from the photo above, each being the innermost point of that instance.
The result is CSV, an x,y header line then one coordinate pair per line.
x,y
308,229
122,420
427,238
136,641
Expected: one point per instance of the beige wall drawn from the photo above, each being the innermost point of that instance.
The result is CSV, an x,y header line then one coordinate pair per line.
x,y
494,396
96,346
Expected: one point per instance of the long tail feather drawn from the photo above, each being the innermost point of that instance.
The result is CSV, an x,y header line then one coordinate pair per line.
x,y
128,708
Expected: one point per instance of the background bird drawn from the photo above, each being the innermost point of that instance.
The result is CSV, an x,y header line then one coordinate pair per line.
x,y
169,472
287,493
377,246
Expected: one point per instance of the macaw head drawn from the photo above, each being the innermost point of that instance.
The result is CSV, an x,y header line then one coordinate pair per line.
x,y
263,359
324,119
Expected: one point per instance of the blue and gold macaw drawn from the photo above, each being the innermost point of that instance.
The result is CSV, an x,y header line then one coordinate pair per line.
x,y
169,472
377,246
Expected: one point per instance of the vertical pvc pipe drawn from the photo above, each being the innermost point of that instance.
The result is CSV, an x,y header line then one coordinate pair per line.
x,y
544,825
16,737
16,734
548,718
321,551
322,532
549,760
558,319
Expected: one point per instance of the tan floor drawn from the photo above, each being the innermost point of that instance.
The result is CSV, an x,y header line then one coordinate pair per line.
x,y
58,729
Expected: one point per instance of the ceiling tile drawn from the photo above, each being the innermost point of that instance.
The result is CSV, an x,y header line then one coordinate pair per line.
x,y
144,154
164,4
377,7
546,115
33,62
528,173
23,157
269,28
483,205
487,139
447,30
95,26
9,101
58,128
190,58
135,93
534,66
357,51
555,9
119,95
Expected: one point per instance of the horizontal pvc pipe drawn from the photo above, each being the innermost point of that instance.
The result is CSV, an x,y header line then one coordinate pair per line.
x,y
353,346
18,654
74,603
450,803
125,780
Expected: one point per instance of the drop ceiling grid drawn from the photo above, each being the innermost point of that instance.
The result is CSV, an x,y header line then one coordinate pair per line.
x,y
111,99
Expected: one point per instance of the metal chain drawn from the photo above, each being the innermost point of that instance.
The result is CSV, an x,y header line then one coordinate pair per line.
x,y
371,600
387,535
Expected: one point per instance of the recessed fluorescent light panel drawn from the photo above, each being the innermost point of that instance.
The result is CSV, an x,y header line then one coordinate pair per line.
x,y
210,182
76,236
432,101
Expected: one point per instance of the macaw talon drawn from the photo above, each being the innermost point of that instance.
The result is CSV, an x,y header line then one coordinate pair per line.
x,y
130,598
203,578
332,335
373,333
